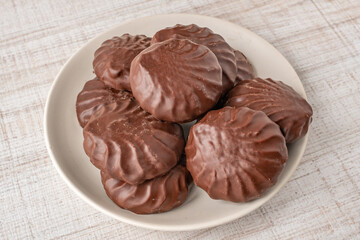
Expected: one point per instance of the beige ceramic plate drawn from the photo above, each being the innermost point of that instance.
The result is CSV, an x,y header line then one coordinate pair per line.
x,y
64,136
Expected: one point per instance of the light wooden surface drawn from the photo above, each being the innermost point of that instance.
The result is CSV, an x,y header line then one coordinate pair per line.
x,y
321,39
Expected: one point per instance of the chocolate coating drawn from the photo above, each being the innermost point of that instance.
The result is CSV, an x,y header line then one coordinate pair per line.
x,y
244,68
215,42
93,96
130,144
157,195
280,102
235,154
176,80
112,60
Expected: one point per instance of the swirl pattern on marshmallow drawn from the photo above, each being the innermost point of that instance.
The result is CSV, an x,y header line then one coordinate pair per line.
x,y
157,195
235,154
93,96
244,68
130,144
176,80
280,102
112,60
215,42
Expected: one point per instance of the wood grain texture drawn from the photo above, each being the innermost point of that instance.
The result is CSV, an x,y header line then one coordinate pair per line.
x,y
321,39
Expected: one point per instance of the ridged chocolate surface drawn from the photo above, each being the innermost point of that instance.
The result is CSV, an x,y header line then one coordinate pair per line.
x,y
157,195
130,144
176,80
204,36
93,96
112,60
235,154
280,102
244,68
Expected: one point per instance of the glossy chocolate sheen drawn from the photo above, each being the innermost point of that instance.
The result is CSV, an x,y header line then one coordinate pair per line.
x,y
215,42
112,60
176,80
244,68
244,71
157,195
93,96
235,154
280,102
130,144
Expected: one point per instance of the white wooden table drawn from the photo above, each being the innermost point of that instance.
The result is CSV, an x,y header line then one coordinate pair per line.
x,y
321,39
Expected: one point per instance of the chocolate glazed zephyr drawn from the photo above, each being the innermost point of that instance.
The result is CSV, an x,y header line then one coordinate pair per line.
x,y
235,154
280,102
93,96
112,60
176,80
130,144
244,68
157,195
204,36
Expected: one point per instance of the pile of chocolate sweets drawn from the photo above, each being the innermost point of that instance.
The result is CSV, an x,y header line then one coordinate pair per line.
x,y
145,87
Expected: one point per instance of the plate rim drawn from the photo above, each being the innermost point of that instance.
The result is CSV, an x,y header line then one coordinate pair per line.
x,y
151,226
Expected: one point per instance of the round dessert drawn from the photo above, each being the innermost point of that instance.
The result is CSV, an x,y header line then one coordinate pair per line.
x,y
244,68
93,96
215,42
280,102
235,154
112,60
176,80
130,144
157,195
